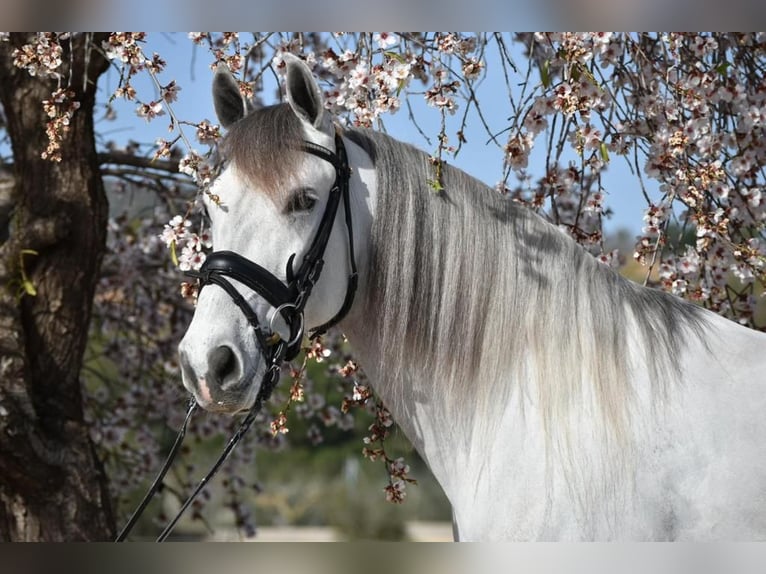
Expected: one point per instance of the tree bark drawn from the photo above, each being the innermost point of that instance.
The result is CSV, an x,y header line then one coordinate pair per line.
x,y
52,484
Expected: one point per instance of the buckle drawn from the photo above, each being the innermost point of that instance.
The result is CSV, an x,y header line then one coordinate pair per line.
x,y
275,336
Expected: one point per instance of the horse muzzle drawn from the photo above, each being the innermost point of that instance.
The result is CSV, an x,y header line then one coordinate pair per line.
x,y
222,382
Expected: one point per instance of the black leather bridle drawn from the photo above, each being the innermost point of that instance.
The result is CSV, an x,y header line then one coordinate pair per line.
x,y
288,299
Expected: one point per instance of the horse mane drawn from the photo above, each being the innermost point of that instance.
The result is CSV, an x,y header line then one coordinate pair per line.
x,y
487,298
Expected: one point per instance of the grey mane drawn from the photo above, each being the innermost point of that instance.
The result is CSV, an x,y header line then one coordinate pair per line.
x,y
482,292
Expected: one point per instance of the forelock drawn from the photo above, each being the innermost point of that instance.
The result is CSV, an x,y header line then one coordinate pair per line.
x,y
265,148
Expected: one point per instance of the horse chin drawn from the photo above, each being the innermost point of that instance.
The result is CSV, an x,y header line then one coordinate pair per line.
x,y
224,401
224,408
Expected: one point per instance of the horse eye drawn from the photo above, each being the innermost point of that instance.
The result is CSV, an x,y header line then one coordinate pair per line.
x,y
303,200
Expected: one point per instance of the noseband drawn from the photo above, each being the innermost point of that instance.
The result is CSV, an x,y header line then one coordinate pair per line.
x,y
288,299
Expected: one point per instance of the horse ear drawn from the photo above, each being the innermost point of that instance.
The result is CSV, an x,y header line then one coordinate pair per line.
x,y
230,105
303,93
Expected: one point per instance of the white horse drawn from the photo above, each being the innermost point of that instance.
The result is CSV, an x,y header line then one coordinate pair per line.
x,y
551,398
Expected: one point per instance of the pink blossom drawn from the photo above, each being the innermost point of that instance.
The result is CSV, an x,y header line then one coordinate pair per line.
x,y
385,40
150,111
517,150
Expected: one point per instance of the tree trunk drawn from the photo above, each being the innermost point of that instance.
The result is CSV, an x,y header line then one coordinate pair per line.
x,y
52,484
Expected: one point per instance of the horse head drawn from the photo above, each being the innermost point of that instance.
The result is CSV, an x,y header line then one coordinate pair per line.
x,y
281,261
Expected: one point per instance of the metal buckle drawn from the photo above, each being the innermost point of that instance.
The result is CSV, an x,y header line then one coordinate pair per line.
x,y
278,311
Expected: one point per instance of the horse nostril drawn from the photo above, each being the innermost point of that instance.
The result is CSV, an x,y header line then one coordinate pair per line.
x,y
223,365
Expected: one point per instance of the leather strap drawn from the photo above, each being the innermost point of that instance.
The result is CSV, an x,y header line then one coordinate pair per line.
x,y
247,272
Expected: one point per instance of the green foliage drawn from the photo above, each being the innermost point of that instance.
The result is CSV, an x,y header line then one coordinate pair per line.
x,y
333,485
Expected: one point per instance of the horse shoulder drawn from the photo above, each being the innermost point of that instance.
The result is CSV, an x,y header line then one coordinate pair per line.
x,y
708,443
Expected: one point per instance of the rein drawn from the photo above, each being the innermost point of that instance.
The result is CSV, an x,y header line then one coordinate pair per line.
x,y
289,300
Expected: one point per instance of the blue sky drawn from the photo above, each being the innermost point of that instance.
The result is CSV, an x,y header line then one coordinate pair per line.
x,y
483,160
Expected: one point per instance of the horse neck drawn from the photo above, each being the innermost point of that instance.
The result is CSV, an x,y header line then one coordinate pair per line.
x,y
413,404
474,314
407,385
417,410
